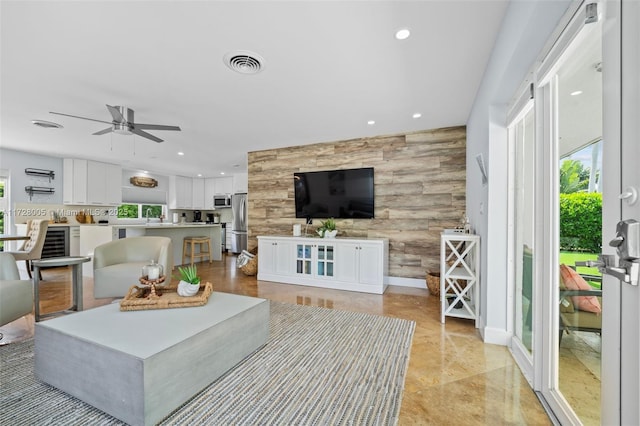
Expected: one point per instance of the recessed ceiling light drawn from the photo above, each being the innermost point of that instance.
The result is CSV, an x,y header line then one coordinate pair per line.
x,y
221,173
371,122
576,93
403,34
46,124
180,153
417,115
199,174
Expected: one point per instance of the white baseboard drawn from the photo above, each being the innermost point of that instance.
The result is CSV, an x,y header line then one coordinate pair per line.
x,y
407,282
496,336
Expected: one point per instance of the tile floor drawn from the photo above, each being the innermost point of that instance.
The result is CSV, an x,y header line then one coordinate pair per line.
x,y
453,378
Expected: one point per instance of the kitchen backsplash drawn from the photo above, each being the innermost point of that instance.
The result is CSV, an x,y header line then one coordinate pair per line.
x,y
22,212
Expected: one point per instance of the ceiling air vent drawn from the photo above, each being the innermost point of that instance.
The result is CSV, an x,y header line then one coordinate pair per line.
x,y
244,62
46,124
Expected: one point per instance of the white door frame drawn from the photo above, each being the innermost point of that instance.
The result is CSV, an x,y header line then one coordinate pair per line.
x,y
630,155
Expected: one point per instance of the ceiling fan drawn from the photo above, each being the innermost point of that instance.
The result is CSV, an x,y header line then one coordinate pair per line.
x,y
124,124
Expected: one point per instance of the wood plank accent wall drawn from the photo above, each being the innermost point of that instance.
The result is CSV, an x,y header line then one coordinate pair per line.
x,y
419,186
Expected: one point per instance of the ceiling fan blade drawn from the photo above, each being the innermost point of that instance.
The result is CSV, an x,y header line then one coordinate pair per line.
x,y
116,114
155,127
83,118
102,132
145,135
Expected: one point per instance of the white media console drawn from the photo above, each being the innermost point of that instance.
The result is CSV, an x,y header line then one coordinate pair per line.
x,y
353,264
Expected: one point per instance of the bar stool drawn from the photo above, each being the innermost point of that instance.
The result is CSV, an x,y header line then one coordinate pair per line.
x,y
189,246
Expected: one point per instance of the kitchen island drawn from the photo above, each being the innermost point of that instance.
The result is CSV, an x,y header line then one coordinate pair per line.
x,y
92,236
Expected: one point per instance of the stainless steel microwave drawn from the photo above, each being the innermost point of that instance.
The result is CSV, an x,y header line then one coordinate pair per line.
x,y
220,201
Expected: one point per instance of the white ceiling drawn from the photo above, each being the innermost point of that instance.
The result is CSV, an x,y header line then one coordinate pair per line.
x,y
330,66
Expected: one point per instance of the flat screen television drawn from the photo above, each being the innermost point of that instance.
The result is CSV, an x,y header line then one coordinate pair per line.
x,y
340,194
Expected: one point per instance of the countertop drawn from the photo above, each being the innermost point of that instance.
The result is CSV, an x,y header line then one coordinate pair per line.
x,y
165,225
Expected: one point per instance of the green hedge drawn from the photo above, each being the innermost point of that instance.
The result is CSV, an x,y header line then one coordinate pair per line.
x,y
581,221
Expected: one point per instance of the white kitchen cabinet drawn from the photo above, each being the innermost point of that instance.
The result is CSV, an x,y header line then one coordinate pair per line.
x,y
209,191
216,186
459,275
224,185
104,184
240,183
74,241
180,192
91,182
343,264
74,181
113,195
96,182
228,238
198,201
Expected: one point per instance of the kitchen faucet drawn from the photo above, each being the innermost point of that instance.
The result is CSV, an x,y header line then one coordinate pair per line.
x,y
147,214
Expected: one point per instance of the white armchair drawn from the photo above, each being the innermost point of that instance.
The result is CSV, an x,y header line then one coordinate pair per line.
x,y
16,295
117,265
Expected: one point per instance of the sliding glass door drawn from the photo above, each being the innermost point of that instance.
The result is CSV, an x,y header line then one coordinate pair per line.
x,y
573,143
522,226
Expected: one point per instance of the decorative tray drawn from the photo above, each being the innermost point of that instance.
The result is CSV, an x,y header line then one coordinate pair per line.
x,y
140,298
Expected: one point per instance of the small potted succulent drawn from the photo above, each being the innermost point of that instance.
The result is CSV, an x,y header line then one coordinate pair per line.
x,y
189,280
327,229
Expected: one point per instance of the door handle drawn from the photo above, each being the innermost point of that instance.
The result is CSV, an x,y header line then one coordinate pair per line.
x,y
627,271
627,245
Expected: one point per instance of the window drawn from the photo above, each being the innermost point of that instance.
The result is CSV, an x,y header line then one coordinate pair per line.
x,y
139,211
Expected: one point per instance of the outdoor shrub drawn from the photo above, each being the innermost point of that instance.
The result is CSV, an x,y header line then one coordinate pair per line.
x,y
581,221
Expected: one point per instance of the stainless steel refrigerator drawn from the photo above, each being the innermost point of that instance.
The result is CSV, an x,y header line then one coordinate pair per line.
x,y
239,223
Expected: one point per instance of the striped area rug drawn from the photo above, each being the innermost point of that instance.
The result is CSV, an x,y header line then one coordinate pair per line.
x,y
320,366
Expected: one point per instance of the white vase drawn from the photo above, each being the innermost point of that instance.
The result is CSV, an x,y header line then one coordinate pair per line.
x,y
331,234
187,289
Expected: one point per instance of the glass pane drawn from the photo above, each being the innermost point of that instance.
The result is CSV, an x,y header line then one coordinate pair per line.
x,y
128,211
151,210
299,250
579,114
321,250
307,267
299,266
330,269
321,269
330,253
524,190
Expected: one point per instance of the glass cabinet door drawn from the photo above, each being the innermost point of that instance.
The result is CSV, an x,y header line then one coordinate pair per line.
x,y
303,259
325,260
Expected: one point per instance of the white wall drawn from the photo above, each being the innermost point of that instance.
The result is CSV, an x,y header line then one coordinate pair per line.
x,y
525,29
17,161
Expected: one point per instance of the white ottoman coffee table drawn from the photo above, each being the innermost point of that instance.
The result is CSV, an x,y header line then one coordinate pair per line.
x,y
139,366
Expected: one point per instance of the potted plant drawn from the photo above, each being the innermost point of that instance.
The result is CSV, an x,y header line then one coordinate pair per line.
x,y
189,280
327,228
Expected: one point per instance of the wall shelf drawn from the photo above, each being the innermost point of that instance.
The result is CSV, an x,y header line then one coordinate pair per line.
x,y
38,190
41,173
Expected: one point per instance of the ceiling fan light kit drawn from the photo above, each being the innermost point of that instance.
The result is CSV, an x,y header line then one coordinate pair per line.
x,y
123,123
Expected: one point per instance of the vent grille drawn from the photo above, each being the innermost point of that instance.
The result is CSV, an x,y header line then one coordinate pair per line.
x,y
244,62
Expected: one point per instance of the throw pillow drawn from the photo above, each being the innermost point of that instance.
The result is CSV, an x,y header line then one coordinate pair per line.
x,y
573,281
566,304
